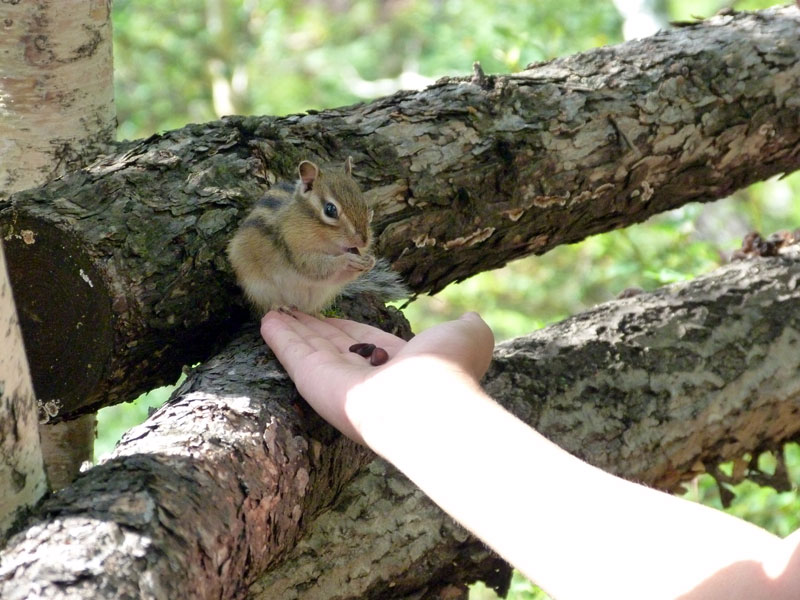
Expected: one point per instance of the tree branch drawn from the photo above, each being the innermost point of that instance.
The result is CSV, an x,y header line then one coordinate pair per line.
x,y
214,490
465,177
656,387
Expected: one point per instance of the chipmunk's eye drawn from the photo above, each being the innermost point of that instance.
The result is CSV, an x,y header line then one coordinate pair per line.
x,y
330,210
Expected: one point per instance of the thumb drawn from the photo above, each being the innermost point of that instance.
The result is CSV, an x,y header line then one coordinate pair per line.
x,y
466,342
484,341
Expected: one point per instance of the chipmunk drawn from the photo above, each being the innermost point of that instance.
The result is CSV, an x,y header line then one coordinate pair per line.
x,y
303,244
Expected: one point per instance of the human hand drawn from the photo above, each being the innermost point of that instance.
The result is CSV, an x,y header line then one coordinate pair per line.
x,y
315,354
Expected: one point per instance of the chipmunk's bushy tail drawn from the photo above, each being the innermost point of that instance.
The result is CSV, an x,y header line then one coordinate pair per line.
x,y
381,281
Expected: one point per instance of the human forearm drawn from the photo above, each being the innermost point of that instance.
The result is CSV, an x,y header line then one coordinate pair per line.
x,y
575,530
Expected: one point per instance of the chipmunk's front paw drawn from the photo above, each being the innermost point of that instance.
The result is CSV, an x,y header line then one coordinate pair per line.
x,y
360,262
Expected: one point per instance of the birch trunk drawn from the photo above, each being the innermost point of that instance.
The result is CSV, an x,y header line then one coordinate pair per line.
x,y
56,88
56,112
22,476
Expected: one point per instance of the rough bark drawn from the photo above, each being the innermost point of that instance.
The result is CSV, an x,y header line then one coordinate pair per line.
x,y
383,538
466,176
56,112
655,388
661,385
206,494
22,477
214,490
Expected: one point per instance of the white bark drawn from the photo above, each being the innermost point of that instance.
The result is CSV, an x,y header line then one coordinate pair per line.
x,y
22,478
56,91
66,446
56,106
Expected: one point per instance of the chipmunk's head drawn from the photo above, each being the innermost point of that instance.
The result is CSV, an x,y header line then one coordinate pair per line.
x,y
335,200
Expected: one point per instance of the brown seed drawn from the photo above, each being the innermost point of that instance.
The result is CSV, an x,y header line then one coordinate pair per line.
x,y
362,349
378,357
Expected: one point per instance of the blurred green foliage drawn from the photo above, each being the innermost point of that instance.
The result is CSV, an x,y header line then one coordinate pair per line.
x,y
674,246
762,505
113,421
178,61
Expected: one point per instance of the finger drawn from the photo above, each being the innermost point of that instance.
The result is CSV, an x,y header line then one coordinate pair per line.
x,y
278,330
484,339
467,341
322,327
344,333
337,331
288,345
315,334
306,329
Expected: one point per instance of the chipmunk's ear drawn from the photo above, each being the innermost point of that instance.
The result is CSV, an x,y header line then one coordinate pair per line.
x,y
309,173
348,166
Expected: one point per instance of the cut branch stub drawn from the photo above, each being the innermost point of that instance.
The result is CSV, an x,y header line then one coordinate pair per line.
x,y
63,338
120,277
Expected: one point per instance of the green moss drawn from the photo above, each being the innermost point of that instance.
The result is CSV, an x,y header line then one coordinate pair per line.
x,y
333,312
